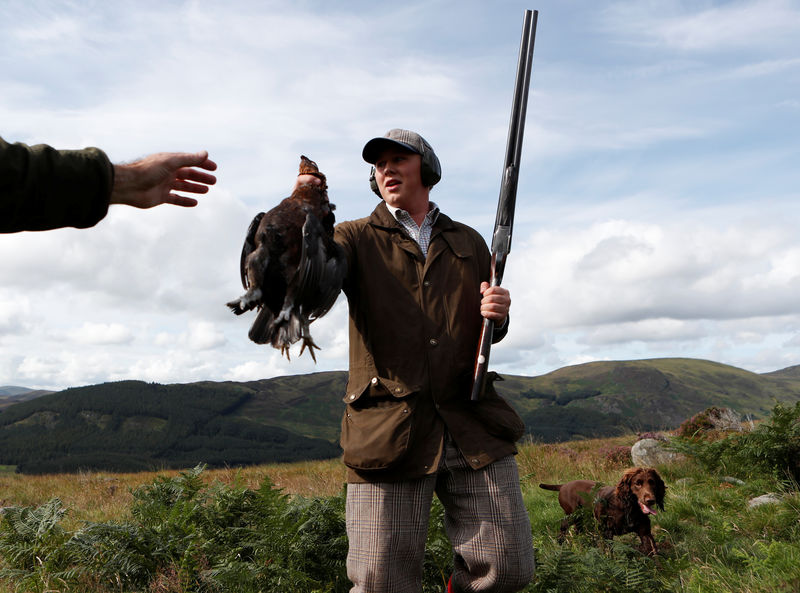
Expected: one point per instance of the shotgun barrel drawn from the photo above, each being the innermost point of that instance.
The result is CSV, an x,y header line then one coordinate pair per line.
x,y
504,221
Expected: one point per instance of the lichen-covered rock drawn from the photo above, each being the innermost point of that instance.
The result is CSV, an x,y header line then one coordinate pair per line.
x,y
763,499
651,452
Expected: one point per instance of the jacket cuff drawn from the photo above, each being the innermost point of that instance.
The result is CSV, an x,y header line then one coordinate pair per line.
x,y
500,332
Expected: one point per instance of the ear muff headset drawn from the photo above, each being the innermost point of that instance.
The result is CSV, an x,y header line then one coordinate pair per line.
x,y
373,184
430,168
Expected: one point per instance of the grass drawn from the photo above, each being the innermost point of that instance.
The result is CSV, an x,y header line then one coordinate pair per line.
x,y
709,539
104,496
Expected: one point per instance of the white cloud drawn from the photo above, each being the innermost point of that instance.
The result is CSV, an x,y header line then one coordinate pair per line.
x,y
203,335
13,311
102,334
657,212
688,27
624,280
250,371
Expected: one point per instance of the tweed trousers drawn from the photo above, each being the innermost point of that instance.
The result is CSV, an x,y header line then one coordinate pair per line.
x,y
485,519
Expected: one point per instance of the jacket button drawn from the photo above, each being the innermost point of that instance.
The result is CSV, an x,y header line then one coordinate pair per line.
x,y
374,380
474,461
352,396
433,341
398,389
426,283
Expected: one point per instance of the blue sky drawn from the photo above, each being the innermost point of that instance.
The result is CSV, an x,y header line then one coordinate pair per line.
x,y
657,213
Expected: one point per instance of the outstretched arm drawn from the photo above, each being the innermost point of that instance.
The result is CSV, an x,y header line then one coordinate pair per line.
x,y
156,178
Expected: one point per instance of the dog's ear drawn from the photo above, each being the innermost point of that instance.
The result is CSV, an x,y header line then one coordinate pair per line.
x,y
623,489
661,490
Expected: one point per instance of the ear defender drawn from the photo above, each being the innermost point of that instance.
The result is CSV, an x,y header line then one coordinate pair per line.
x,y
430,168
373,184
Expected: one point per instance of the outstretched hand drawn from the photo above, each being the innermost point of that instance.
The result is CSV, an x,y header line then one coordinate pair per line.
x,y
154,179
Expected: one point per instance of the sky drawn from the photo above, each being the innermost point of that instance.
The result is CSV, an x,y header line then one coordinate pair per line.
x,y
658,208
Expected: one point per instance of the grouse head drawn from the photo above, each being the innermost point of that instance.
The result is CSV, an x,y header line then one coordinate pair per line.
x,y
309,167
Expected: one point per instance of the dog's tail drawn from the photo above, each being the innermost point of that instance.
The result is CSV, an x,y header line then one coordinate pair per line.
x,y
555,487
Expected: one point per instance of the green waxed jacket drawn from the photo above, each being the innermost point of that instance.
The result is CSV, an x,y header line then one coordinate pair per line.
x,y
414,330
42,188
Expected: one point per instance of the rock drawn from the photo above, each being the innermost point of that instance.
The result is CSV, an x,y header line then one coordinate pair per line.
x,y
725,419
651,452
731,480
764,499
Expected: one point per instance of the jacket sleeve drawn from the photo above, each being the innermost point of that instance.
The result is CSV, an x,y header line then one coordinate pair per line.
x,y
498,333
42,188
344,234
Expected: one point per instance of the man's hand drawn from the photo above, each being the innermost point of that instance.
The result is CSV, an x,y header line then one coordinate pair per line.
x,y
495,303
305,179
154,179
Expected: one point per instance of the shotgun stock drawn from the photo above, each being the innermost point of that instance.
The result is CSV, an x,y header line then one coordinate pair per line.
x,y
504,221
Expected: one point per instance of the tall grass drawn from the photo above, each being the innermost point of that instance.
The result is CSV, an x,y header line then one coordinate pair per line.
x,y
281,528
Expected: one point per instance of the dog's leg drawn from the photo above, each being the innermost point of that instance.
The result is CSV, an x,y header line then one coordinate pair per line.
x,y
648,545
564,528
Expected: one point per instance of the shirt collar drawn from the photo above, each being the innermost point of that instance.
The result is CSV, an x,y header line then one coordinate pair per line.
x,y
432,215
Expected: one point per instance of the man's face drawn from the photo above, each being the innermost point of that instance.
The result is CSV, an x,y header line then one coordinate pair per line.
x,y
397,172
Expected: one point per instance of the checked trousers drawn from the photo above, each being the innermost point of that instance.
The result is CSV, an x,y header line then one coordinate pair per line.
x,y
485,519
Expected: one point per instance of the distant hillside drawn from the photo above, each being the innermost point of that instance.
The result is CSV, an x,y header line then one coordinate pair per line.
x,y
12,390
788,374
131,425
10,394
599,399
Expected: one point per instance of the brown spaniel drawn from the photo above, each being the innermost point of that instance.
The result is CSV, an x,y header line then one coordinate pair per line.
x,y
624,508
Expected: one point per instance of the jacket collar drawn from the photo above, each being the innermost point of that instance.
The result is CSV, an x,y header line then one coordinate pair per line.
x,y
381,217
444,225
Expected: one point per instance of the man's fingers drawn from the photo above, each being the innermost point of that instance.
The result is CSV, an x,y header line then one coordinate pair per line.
x,y
181,201
180,160
186,183
208,164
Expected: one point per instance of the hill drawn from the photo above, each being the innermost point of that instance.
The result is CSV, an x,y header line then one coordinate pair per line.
x,y
599,399
131,425
10,394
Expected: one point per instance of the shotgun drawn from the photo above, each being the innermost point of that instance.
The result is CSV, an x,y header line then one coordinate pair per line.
x,y
504,222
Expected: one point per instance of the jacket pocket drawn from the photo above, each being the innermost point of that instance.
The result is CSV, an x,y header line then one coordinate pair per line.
x,y
376,432
497,416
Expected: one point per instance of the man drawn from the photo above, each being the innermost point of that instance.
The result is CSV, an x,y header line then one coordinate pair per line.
x,y
42,188
416,290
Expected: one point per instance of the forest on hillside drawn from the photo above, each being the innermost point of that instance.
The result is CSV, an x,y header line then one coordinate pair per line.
x,y
134,426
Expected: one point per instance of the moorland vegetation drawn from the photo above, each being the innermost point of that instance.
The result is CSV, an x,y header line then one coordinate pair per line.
x,y
281,527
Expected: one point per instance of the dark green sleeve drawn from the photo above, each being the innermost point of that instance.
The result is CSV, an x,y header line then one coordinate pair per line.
x,y
42,188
